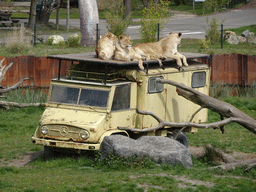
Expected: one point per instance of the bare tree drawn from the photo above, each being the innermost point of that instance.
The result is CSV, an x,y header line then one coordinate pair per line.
x,y
5,104
32,14
226,110
128,7
89,17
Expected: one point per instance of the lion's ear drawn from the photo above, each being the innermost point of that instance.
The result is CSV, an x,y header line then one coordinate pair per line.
x,y
180,34
170,33
129,37
121,37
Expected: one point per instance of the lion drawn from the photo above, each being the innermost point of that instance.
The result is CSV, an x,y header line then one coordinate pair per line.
x,y
106,46
125,52
165,48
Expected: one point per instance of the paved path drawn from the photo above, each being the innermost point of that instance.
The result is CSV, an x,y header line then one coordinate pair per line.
x,y
190,25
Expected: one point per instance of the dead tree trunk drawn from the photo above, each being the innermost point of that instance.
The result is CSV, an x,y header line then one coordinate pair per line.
x,y
227,110
224,109
5,104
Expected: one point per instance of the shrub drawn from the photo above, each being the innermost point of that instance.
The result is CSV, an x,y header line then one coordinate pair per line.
x,y
17,42
154,14
204,44
213,31
116,24
215,5
74,40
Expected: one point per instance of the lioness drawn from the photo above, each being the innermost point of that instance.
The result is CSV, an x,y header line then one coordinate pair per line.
x,y
106,46
125,52
165,48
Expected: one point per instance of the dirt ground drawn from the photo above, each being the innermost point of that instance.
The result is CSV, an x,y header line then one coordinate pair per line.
x,y
26,158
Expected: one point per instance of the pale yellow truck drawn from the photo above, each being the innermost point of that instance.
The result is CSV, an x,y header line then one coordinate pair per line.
x,y
97,98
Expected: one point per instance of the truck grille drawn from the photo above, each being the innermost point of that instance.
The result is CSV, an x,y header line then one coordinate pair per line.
x,y
63,132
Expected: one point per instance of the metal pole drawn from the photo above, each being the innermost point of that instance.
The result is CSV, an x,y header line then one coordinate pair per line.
x,y
221,36
57,14
67,21
35,34
97,33
158,31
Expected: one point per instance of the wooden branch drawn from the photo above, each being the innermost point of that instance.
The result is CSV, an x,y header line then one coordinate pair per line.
x,y
179,125
5,104
224,109
231,166
14,86
3,69
226,158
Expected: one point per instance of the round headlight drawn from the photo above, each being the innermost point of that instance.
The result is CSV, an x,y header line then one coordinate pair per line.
x,y
84,134
44,130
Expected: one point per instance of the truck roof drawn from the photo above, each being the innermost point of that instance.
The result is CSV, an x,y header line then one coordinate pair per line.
x,y
91,64
90,57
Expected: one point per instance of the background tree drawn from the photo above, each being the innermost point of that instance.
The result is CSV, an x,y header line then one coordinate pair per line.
x,y
154,14
89,17
32,14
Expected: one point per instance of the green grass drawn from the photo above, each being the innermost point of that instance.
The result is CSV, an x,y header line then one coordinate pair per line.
x,y
89,173
238,31
44,50
193,46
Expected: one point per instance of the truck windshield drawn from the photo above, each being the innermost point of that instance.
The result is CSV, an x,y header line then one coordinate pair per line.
x,y
79,96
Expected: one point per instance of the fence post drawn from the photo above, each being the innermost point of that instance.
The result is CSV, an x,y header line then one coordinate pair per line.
x,y
221,36
35,34
158,31
97,33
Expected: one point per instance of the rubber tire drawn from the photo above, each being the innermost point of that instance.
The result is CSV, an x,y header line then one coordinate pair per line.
x,y
49,153
182,138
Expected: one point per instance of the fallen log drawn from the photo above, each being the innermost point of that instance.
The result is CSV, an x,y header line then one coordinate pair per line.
x,y
224,109
230,166
5,104
226,158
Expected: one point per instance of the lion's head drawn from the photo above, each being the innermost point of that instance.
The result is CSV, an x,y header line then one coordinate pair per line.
x,y
112,38
125,42
175,37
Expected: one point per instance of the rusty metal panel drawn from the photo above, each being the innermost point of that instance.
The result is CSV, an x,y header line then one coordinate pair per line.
x,y
225,69
228,69
251,66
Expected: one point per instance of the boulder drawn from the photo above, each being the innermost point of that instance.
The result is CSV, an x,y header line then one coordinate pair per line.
x,y
245,33
250,36
56,39
233,40
158,149
228,34
241,39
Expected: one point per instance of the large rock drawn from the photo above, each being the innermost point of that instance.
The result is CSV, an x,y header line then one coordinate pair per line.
x,y
233,40
250,36
158,149
55,39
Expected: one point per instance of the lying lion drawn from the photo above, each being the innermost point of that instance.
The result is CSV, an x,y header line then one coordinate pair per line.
x,y
165,48
106,46
125,52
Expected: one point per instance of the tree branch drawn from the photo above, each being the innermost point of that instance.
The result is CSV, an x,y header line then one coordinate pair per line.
x,y
180,125
3,69
14,86
6,104
224,109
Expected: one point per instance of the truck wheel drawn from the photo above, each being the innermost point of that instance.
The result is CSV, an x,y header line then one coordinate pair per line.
x,y
49,153
182,138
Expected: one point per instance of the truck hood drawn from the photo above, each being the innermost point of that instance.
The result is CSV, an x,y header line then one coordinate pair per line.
x,y
72,117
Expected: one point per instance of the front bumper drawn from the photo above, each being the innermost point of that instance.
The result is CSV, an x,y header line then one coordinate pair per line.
x,y
65,144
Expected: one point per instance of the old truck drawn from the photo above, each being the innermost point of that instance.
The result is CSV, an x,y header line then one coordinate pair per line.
x,y
99,97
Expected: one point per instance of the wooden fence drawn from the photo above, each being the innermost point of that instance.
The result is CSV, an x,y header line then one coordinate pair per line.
x,y
228,69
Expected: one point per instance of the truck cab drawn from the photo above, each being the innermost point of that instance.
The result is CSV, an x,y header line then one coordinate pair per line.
x,y
98,97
